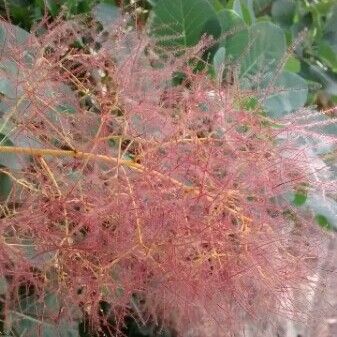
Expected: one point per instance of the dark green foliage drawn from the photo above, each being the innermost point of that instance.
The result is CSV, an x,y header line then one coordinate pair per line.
x,y
26,13
323,222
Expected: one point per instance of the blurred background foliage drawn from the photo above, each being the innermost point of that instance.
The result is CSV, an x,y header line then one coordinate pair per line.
x,y
315,57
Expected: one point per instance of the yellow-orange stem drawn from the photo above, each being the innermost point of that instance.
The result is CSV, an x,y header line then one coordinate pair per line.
x,y
92,156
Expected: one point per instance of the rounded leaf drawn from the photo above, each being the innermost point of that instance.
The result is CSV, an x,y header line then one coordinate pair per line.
x,y
235,33
283,11
267,46
181,23
291,93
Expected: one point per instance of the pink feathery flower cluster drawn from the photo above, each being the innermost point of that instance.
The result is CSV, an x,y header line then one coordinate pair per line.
x,y
168,201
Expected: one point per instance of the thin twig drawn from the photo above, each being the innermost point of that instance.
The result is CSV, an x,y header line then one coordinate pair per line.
x,y
41,152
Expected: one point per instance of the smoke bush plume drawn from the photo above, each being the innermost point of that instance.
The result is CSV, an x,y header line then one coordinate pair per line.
x,y
171,202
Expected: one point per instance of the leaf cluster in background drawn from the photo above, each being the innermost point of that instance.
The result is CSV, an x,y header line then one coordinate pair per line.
x,y
315,57
26,13
255,34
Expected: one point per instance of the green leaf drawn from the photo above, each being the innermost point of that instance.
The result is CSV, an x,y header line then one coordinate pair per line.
x,y
5,186
7,87
9,32
27,325
266,49
291,93
283,11
325,209
35,258
9,67
217,5
52,6
327,54
261,5
234,33
293,65
10,79
178,78
330,29
324,7
300,198
66,108
12,36
152,2
323,221
105,13
9,160
181,23
244,8
249,103
36,317
63,98
315,73
219,61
